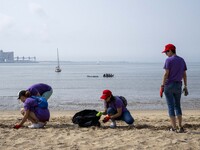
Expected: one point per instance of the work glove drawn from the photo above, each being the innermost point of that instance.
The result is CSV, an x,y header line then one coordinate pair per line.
x,y
185,91
17,126
99,114
106,119
161,90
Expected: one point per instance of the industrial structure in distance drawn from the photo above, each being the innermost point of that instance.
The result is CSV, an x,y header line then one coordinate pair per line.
x,y
8,57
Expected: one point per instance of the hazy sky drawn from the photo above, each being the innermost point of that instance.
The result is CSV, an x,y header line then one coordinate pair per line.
x,y
100,30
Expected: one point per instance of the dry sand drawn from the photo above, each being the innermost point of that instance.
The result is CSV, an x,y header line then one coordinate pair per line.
x,y
150,132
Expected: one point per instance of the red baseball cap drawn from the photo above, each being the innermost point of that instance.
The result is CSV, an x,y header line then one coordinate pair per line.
x,y
169,47
106,94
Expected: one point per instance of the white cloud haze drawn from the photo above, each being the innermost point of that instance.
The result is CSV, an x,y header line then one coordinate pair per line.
x,y
6,22
37,9
116,30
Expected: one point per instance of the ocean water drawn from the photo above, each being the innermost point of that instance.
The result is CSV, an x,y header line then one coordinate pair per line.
x,y
73,90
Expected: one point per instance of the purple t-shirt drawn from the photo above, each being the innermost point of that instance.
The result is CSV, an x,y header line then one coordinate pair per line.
x,y
39,88
42,114
117,103
176,66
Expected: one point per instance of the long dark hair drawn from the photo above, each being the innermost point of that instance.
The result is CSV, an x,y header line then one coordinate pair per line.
x,y
173,51
112,98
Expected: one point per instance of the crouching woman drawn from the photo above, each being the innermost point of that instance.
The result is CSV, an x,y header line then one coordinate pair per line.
x,y
115,109
31,111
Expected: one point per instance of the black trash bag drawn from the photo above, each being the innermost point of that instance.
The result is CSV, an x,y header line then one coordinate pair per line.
x,y
86,118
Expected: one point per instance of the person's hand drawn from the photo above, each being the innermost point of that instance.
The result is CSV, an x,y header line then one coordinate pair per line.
x,y
185,91
17,126
106,119
161,90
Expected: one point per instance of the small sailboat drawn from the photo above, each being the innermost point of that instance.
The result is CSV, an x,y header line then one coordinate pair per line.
x,y
58,69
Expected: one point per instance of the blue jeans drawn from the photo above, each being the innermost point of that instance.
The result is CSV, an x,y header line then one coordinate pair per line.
x,y
126,116
173,97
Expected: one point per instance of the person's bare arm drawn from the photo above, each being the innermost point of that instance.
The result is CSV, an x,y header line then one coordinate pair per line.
x,y
165,77
118,114
185,79
27,112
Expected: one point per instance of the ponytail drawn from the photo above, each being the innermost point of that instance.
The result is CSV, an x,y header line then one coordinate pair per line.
x,y
28,94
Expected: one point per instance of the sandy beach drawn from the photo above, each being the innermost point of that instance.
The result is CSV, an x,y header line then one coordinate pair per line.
x,y
150,132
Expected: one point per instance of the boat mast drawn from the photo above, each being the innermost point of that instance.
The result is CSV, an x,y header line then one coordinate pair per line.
x,y
58,58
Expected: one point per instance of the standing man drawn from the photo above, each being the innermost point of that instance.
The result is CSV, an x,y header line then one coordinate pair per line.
x,y
175,70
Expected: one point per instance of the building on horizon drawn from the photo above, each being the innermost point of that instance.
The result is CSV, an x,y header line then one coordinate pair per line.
x,y
8,57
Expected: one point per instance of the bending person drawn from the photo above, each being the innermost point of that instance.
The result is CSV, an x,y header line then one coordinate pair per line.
x,y
40,89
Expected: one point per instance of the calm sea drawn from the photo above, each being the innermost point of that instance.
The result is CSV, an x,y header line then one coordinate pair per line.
x,y
73,90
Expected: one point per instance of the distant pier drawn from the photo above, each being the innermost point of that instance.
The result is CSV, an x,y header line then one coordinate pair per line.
x,y
24,59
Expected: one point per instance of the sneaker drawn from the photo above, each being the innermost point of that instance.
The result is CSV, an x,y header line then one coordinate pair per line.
x,y
113,124
172,130
180,130
41,124
34,126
